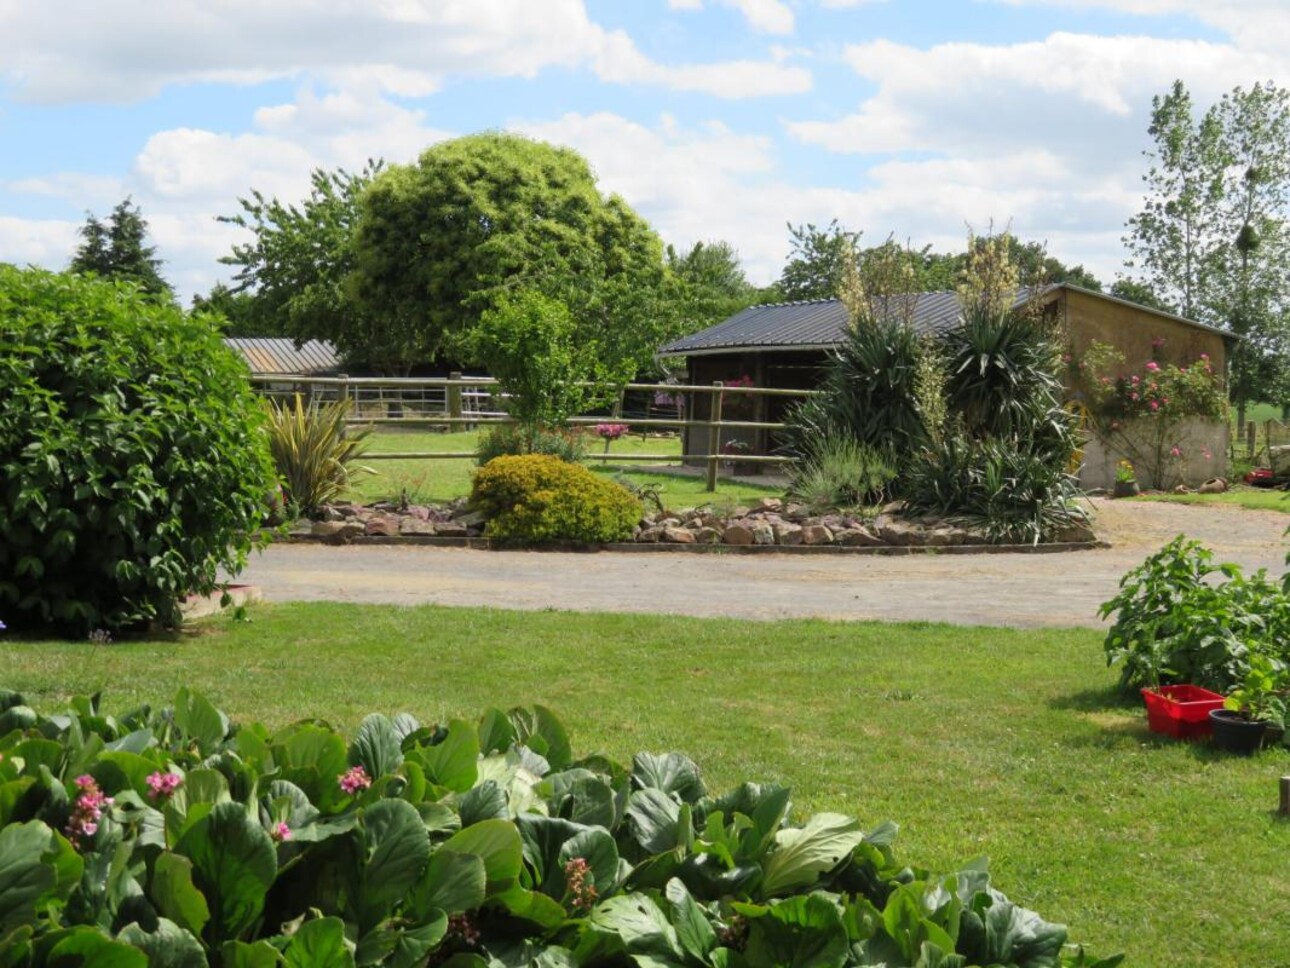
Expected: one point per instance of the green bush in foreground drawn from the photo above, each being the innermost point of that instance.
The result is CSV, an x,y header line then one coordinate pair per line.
x,y
174,838
133,463
538,499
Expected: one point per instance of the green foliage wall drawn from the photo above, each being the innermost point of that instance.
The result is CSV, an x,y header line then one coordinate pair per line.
x,y
133,464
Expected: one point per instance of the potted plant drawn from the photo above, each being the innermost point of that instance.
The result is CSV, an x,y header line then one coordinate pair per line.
x,y
1126,479
1254,708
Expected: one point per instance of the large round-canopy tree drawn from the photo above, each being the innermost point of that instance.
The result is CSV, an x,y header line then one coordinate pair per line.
x,y
475,219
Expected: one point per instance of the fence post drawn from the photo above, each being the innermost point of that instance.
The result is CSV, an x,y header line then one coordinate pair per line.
x,y
1251,438
454,399
714,432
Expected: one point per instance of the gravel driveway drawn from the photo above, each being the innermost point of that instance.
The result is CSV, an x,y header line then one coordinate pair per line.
x,y
998,589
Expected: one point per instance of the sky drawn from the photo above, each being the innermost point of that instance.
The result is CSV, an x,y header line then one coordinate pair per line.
x,y
715,119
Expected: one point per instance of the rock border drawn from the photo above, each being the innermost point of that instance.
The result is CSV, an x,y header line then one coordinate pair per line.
x,y
770,526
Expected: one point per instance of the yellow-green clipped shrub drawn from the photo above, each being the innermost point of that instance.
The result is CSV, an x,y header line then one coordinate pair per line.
x,y
538,499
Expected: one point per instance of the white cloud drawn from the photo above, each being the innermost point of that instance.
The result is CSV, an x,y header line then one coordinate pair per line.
x,y
42,242
710,182
1258,25
182,178
123,50
766,16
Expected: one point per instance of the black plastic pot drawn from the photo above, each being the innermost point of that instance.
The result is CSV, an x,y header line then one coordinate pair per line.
x,y
1126,489
1236,734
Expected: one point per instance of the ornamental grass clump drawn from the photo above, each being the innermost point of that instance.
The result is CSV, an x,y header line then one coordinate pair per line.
x,y
535,499
465,843
134,467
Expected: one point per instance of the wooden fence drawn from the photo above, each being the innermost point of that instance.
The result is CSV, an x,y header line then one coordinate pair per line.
x,y
1256,438
457,402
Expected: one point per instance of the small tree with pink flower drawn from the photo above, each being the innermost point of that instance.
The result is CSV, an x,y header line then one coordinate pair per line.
x,y
1142,412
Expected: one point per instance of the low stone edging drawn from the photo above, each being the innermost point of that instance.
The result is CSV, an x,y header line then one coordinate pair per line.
x,y
772,526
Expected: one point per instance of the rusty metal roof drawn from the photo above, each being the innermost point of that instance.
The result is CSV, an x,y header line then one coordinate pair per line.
x,y
273,356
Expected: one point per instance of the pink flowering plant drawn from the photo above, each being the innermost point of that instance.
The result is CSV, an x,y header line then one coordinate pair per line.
x,y
1141,411
611,431
412,845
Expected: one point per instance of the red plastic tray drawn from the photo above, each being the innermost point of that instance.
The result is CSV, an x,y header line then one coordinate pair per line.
x,y
1180,711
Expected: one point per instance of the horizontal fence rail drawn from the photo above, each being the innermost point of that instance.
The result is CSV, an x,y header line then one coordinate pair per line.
x,y
461,402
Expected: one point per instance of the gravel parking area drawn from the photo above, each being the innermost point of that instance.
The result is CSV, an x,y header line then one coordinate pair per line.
x,y
996,589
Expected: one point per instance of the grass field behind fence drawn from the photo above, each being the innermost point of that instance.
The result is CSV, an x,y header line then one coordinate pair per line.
x,y
978,741
428,481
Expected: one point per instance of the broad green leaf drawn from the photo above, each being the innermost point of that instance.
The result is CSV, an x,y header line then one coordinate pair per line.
x,y
35,752
86,947
169,946
313,758
26,875
396,851
800,932
401,947
261,954
495,732
122,770
597,848
802,854
693,930
996,931
175,896
672,773
533,906
319,943
451,763
540,723
484,802
452,882
638,921
199,720
377,746
234,865
203,786
654,817
905,922
498,843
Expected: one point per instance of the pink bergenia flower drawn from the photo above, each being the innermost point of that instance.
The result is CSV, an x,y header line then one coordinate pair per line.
x,y
1175,452
1153,366
1136,379
1133,396
1155,405
86,812
280,832
1204,356
161,786
354,779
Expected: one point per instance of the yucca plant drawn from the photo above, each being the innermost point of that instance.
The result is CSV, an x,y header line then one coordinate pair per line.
x,y
314,451
1001,370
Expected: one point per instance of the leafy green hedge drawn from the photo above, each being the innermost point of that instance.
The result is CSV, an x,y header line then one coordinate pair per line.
x,y
172,838
133,466
538,499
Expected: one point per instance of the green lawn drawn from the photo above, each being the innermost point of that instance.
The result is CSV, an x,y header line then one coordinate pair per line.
x,y
1006,743
1258,498
443,480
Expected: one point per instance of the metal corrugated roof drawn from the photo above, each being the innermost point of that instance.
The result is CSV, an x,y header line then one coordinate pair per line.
x,y
822,324
810,325
273,356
